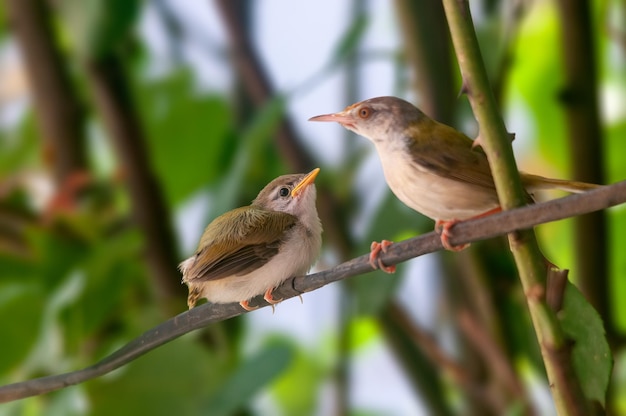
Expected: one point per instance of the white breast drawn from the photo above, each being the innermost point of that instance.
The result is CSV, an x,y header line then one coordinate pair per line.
x,y
434,196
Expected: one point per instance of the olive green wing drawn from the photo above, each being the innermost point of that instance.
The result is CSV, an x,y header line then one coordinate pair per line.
x,y
238,243
449,153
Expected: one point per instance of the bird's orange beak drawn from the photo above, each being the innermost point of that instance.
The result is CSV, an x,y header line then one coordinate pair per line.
x,y
341,117
307,180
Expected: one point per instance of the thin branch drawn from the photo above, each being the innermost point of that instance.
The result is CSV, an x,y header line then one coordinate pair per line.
x,y
203,315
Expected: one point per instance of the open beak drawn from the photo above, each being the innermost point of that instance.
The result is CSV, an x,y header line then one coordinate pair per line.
x,y
306,181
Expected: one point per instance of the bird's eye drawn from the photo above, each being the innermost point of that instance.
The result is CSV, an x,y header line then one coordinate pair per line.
x,y
365,112
283,192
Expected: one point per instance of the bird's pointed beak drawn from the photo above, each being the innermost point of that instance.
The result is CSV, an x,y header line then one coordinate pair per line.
x,y
307,180
341,117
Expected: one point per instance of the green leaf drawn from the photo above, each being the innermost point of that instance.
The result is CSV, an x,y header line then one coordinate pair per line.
x,y
19,149
591,354
24,305
190,145
250,158
97,27
394,222
297,389
256,372
171,380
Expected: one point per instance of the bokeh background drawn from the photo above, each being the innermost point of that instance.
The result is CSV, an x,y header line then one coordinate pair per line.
x,y
127,125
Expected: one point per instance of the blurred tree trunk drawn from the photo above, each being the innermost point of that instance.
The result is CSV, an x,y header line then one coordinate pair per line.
x,y
580,101
115,103
429,54
59,112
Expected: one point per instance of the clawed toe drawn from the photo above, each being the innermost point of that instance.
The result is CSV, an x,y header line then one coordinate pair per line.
x,y
374,258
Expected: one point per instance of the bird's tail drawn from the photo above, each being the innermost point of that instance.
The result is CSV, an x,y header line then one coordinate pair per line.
x,y
536,182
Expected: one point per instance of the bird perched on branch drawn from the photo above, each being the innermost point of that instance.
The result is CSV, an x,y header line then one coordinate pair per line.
x,y
251,250
431,167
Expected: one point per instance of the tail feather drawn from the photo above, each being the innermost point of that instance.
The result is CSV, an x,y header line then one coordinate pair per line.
x,y
536,183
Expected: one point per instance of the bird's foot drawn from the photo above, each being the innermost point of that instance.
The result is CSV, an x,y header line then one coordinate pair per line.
x,y
375,260
269,298
246,305
443,228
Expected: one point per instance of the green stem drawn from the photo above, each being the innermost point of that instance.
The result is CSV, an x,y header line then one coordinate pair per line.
x,y
566,389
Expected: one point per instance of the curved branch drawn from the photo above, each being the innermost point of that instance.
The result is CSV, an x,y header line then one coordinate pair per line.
x,y
203,315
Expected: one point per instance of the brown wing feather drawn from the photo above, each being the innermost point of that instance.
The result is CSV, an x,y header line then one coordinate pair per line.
x,y
449,153
240,243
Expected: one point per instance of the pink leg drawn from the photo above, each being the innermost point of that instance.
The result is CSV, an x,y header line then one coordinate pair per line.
x,y
375,261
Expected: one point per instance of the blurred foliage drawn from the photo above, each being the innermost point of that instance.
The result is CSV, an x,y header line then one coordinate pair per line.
x,y
73,286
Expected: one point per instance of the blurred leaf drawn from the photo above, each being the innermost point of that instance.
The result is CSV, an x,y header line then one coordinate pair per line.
x,y
19,149
363,331
56,256
350,39
171,380
538,81
617,222
615,166
189,134
591,353
395,222
249,156
110,268
297,388
97,27
252,375
22,308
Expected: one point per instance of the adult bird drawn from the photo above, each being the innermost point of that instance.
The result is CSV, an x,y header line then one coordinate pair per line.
x,y
431,167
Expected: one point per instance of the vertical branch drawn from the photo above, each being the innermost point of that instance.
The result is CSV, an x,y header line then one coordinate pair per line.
x,y
580,100
428,50
59,113
114,102
566,389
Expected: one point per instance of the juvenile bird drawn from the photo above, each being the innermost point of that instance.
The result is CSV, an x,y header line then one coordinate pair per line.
x,y
251,250
431,167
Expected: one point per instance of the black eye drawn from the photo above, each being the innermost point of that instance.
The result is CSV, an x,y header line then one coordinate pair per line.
x,y
365,112
283,192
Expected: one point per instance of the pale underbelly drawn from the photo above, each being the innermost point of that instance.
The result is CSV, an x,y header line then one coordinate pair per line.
x,y
441,198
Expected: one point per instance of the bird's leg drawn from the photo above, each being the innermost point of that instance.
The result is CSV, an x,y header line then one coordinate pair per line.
x,y
246,305
443,227
375,261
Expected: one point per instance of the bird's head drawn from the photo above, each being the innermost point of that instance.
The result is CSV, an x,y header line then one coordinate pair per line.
x,y
294,194
377,119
